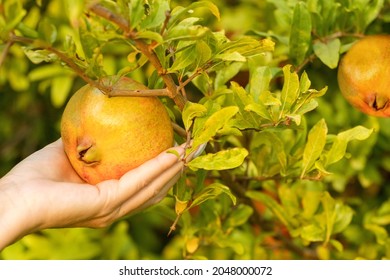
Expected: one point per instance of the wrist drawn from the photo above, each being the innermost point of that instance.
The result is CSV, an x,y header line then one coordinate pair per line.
x,y
12,222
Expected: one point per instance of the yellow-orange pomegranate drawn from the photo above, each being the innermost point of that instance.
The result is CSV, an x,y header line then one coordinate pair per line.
x,y
364,75
104,137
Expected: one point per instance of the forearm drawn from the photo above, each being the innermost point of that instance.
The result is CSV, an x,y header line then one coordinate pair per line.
x,y
12,226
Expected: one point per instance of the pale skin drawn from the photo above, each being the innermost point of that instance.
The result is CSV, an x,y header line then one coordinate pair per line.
x,y
43,191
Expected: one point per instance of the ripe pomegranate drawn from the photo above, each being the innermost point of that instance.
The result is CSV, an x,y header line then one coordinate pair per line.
x,y
364,75
104,137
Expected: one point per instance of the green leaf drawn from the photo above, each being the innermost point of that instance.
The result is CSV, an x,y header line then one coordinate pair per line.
x,y
337,245
203,52
271,139
136,13
14,14
275,207
373,10
179,11
304,82
39,56
339,147
184,58
212,125
223,77
47,31
60,88
343,217
259,109
290,89
190,112
155,13
314,146
313,232
150,35
47,71
222,160
89,43
300,34
289,199
238,217
231,56
74,10
260,79
311,198
186,30
329,52
328,203
246,46
210,192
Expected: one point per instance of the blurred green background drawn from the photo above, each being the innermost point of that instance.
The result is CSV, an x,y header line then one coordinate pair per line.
x,y
33,96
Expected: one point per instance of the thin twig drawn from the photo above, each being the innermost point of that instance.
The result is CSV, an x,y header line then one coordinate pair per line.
x,y
179,130
110,16
167,18
5,52
189,79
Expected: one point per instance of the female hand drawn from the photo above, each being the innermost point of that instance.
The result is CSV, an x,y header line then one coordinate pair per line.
x,y
44,191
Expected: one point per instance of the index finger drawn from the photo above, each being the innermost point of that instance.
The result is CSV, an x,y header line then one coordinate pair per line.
x,y
136,179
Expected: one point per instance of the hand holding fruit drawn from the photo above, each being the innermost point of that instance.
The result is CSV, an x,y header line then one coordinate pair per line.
x,y
44,191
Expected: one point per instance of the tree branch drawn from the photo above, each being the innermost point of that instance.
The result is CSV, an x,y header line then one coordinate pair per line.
x,y
42,45
103,12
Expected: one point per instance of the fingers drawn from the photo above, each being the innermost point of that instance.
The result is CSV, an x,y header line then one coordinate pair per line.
x,y
134,180
154,191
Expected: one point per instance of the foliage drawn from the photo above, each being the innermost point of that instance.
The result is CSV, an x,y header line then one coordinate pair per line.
x,y
289,171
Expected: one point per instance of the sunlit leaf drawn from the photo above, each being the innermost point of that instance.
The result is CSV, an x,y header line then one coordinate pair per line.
x,y
290,88
191,111
47,31
328,52
329,212
232,56
343,217
223,77
210,192
313,232
259,81
60,88
184,58
300,35
150,35
275,207
314,146
180,11
38,56
14,14
311,198
222,160
213,124
155,14
341,141
239,216
187,30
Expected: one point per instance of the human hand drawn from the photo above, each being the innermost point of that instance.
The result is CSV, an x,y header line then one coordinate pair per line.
x,y
44,191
